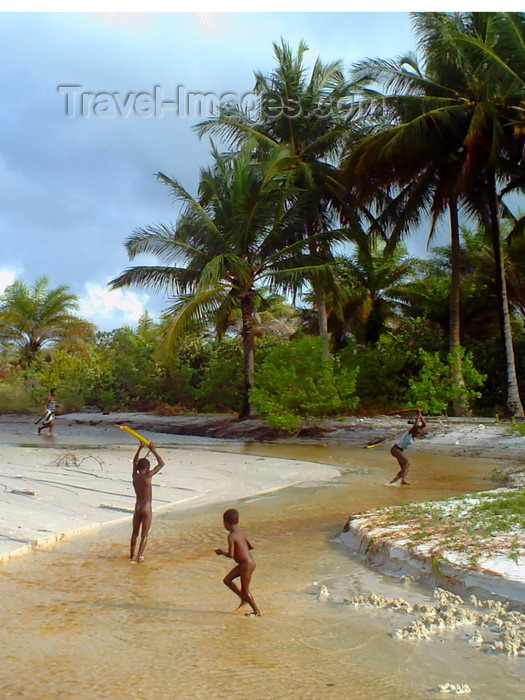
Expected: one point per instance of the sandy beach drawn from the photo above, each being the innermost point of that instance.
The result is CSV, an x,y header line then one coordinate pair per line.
x,y
80,479
72,612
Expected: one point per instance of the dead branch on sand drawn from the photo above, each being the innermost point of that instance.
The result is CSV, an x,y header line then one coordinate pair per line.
x,y
70,459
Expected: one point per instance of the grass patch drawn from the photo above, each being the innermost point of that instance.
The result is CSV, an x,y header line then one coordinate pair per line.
x,y
472,525
516,427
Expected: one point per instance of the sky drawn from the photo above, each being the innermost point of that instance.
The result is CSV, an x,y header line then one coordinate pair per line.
x,y
88,119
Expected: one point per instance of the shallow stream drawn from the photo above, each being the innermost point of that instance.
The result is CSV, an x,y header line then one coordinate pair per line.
x,y
78,621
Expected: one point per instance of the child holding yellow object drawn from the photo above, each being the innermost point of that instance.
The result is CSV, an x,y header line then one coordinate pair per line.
x,y
142,475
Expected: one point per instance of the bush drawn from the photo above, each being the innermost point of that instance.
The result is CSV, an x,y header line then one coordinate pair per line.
x,y
382,377
15,397
132,374
296,384
386,367
166,409
70,402
488,356
77,378
221,384
433,391
106,400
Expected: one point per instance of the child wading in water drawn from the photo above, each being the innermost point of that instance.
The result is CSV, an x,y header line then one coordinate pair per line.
x,y
142,476
399,447
239,549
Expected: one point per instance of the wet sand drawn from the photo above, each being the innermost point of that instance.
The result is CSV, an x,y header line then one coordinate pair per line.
x,y
80,622
80,479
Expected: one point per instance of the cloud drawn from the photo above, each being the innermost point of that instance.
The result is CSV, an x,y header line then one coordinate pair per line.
x,y
73,189
109,309
7,277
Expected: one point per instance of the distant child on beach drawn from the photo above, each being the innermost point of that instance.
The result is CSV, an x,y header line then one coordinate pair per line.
x,y
239,549
50,407
142,516
399,447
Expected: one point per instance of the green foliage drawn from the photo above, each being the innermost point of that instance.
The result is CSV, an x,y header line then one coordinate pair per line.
x,y
221,385
381,379
433,391
217,383
183,372
295,383
487,354
516,427
15,397
79,379
35,317
371,281
386,367
502,513
135,377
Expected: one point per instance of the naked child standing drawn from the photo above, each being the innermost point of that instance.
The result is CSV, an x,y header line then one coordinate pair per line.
x,y
142,475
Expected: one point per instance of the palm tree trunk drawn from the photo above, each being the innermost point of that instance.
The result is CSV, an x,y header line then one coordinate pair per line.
x,y
320,297
248,342
320,302
514,404
460,403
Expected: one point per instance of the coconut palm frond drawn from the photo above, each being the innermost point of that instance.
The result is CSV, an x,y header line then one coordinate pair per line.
x,y
191,312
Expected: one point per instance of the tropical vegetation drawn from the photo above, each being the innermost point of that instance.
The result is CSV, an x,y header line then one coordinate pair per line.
x,y
291,292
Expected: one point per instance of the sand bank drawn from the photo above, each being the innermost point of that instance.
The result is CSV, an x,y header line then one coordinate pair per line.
x,y
490,565
453,436
469,437
80,479
497,568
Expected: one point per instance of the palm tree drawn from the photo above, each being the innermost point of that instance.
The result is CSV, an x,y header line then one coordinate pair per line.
x,y
226,244
495,143
427,296
35,317
371,281
425,181
480,274
274,316
309,115
451,122
370,292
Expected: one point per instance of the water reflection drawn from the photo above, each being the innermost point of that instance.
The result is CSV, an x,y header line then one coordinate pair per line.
x,y
80,622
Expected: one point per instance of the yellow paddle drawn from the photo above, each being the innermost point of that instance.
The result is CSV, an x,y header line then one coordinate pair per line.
x,y
134,433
